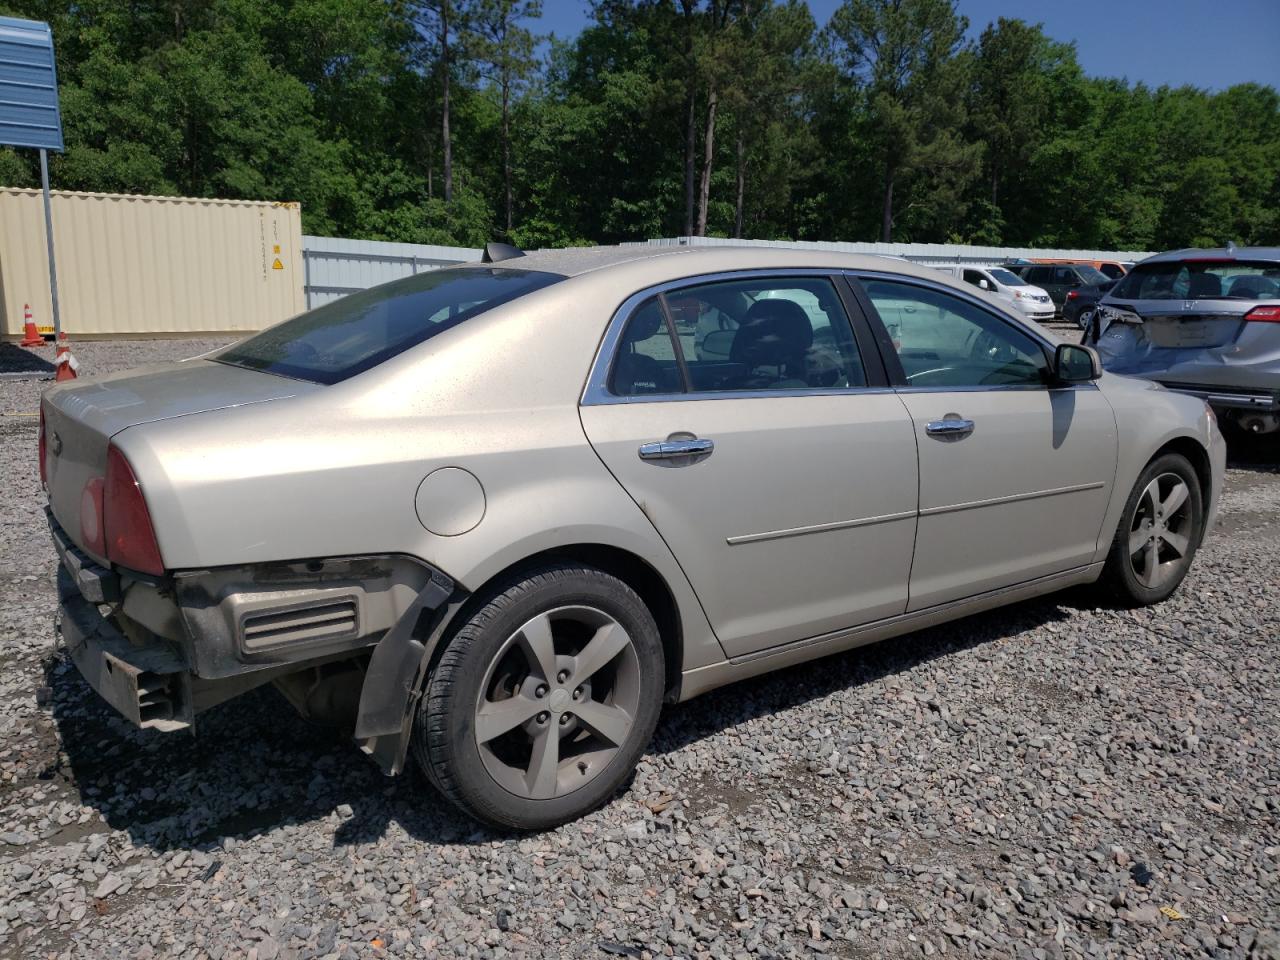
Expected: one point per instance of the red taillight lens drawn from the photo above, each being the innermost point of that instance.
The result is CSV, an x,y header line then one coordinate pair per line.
x,y
1073,294
1264,314
44,470
130,538
91,532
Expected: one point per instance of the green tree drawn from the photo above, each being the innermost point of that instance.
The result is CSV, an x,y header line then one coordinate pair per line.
x,y
903,55
505,51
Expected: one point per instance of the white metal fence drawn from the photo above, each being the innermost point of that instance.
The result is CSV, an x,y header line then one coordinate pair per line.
x,y
930,253
335,266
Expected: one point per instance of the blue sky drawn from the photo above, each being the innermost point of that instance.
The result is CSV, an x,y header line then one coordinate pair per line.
x,y
1197,42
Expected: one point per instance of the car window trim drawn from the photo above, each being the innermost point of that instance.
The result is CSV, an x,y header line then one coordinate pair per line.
x,y
597,393
898,379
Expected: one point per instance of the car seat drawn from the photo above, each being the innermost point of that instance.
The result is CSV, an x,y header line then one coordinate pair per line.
x,y
772,343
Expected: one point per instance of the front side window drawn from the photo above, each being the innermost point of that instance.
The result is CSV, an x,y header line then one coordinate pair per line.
x,y
360,331
944,341
1065,275
975,278
739,335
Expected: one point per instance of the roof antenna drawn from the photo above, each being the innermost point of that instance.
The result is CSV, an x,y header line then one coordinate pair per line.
x,y
1231,248
497,252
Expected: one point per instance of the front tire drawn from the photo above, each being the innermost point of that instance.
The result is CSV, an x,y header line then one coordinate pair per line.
x,y
542,703
1159,533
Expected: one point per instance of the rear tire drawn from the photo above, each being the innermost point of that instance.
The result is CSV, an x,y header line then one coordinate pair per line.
x,y
1158,535
544,700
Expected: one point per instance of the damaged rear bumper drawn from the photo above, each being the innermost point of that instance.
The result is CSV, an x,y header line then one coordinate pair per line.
x,y
149,685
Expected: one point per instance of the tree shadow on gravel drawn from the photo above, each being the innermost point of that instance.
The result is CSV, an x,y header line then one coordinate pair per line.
x,y
24,362
254,766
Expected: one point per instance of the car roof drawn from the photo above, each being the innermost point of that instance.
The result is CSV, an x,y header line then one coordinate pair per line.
x,y
1215,253
674,263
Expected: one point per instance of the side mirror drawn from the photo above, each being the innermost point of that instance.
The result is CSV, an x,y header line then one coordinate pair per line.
x,y
984,285
1073,363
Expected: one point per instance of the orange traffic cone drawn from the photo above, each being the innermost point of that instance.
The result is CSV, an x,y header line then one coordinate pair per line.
x,y
32,335
66,364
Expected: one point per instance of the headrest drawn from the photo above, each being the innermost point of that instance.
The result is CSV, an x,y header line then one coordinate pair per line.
x,y
1205,285
773,332
643,324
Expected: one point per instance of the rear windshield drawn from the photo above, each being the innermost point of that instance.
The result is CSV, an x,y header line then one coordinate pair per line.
x,y
360,331
1200,280
1090,274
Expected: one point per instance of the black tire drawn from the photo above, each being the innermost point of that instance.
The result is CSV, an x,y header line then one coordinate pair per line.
x,y
1119,578
445,743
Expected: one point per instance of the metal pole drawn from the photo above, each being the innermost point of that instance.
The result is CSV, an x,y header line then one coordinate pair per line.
x,y
48,233
306,267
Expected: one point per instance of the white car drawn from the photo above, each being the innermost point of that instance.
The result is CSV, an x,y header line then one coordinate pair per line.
x,y
1031,302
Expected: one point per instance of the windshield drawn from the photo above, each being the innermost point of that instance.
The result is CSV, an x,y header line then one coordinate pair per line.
x,y
360,331
1008,278
1208,279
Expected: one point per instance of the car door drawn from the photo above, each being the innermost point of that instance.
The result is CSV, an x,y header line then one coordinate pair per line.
x,y
777,465
1015,472
1043,277
1065,279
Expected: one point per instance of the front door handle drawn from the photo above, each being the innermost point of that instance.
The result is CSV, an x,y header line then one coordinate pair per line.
x,y
673,449
951,427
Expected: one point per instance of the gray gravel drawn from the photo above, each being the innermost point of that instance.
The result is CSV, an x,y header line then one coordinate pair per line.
x,y
1047,780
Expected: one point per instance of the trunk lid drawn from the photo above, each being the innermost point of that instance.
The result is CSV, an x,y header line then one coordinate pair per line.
x,y
1191,330
1169,324
81,417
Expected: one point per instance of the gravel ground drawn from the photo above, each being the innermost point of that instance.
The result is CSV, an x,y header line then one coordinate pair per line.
x,y
1051,779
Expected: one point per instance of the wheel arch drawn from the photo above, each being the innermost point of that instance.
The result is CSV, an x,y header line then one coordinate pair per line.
x,y
1196,454
630,568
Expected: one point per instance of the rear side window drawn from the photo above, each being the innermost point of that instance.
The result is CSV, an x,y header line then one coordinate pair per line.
x,y
360,331
646,359
1038,274
787,334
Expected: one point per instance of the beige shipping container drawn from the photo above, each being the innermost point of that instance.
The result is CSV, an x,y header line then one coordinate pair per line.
x,y
137,266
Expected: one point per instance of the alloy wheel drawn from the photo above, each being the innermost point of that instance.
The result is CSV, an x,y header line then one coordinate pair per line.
x,y
1160,530
557,703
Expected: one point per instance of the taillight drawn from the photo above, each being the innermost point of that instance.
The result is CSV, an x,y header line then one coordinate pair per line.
x,y
1264,314
91,531
44,470
1073,294
126,522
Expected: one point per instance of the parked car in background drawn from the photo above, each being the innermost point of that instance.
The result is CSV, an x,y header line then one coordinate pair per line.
x,y
1203,322
504,512
1114,269
1080,303
1058,279
1007,285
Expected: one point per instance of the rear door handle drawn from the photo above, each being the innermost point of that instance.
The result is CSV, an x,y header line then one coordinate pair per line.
x,y
950,427
672,449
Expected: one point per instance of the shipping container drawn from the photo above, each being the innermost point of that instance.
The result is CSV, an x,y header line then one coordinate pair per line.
x,y
138,266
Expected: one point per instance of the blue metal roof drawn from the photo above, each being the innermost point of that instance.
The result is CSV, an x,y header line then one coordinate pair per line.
x,y
29,115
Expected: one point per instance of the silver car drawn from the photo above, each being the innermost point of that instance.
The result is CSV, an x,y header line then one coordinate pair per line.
x,y
1204,322
499,514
